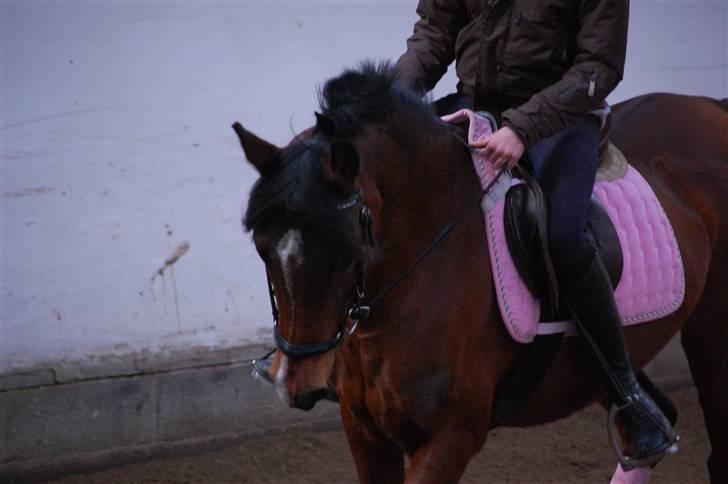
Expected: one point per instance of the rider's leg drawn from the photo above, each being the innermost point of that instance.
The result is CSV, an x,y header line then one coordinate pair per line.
x,y
565,166
590,299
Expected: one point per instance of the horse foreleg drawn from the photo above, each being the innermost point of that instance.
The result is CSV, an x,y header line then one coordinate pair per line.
x,y
377,459
641,475
443,458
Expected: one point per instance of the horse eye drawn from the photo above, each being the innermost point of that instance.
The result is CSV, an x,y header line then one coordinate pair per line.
x,y
264,253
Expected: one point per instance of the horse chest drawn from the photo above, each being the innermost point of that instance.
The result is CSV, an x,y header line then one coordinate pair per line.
x,y
405,408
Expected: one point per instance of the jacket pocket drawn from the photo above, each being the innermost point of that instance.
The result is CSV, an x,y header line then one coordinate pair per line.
x,y
537,11
537,36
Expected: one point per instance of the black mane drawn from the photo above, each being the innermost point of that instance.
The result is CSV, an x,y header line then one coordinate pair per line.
x,y
298,191
369,94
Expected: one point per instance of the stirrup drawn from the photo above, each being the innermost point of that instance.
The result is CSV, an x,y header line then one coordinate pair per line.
x,y
630,463
261,366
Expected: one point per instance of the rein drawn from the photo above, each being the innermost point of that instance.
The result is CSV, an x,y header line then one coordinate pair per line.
x,y
443,233
357,311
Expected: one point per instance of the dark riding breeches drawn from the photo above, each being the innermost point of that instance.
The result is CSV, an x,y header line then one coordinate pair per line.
x,y
565,166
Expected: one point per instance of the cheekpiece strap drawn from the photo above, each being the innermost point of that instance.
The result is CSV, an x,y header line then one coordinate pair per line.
x,y
353,201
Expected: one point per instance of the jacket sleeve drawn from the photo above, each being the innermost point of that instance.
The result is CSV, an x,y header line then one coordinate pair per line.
x,y
431,48
598,67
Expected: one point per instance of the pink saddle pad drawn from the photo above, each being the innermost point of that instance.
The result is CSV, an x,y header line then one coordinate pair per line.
x,y
653,282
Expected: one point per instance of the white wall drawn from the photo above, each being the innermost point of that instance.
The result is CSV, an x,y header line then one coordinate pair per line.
x,y
116,147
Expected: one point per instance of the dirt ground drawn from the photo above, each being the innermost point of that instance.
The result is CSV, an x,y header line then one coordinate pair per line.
x,y
574,450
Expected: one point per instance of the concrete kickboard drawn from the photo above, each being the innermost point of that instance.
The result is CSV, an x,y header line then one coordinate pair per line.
x,y
46,429
210,401
49,421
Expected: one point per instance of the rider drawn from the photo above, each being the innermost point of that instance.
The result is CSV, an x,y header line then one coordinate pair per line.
x,y
541,67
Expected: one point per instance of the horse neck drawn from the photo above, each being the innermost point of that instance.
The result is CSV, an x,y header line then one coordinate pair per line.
x,y
427,180
423,187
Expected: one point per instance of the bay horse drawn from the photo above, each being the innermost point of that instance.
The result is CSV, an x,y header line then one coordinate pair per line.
x,y
340,214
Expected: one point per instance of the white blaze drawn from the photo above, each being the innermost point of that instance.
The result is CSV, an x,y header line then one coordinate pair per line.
x,y
290,253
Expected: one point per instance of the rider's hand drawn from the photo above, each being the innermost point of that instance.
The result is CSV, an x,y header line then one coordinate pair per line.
x,y
504,146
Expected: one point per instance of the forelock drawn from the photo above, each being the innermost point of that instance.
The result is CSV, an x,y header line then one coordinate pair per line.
x,y
298,194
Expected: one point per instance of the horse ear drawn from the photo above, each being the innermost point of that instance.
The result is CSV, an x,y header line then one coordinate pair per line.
x,y
342,165
325,125
261,154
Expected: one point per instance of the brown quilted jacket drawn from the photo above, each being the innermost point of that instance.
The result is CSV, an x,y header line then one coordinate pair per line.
x,y
542,64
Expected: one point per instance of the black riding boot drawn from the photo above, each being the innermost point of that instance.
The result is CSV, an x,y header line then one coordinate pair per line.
x,y
591,300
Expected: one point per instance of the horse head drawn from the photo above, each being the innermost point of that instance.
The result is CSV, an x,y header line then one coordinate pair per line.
x,y
341,205
305,216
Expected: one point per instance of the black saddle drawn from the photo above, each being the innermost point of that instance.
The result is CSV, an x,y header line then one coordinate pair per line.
x,y
526,222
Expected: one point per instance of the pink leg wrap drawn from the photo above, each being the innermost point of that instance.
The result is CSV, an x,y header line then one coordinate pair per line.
x,y
641,475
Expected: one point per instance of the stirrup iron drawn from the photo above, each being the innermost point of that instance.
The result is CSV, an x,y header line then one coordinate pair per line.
x,y
260,367
630,463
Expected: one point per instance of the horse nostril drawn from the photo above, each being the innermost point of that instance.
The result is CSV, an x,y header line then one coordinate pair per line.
x,y
304,402
307,401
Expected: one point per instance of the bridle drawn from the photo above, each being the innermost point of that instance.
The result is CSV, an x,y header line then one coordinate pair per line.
x,y
354,313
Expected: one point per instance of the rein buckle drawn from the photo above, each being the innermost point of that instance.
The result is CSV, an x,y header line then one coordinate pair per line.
x,y
357,313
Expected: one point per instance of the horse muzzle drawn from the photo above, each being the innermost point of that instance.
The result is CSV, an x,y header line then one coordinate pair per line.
x,y
306,401
302,383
